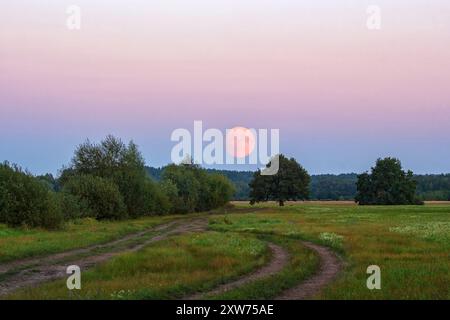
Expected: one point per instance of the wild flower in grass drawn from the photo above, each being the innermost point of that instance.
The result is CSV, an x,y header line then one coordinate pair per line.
x,y
332,239
122,294
439,231
293,234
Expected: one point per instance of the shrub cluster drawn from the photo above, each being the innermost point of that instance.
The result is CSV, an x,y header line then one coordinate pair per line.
x,y
110,181
191,189
94,196
25,201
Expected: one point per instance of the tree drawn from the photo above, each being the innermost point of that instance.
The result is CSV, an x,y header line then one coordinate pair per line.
x,y
100,197
259,188
49,181
123,165
387,184
290,183
26,201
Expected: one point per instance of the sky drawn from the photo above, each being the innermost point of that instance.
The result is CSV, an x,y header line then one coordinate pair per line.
x,y
341,94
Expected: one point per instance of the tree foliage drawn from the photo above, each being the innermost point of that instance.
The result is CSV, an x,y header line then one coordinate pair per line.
x,y
290,183
182,188
100,198
25,201
191,188
239,179
124,166
387,184
106,180
333,187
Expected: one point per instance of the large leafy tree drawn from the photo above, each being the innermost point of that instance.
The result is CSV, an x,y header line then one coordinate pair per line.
x,y
387,184
291,182
122,164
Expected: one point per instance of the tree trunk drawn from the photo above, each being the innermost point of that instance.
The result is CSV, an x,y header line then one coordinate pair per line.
x,y
281,202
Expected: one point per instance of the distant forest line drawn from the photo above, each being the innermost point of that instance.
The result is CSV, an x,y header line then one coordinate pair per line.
x,y
334,187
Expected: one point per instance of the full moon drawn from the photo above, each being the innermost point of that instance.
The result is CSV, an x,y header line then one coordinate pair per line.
x,y
240,142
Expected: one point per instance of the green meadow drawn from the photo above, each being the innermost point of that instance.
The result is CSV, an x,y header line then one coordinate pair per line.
x,y
410,244
18,243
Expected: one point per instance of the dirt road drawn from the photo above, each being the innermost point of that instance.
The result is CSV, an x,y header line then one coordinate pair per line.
x,y
279,259
330,266
30,272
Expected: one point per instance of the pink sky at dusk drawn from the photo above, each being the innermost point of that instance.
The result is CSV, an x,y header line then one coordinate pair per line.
x,y
341,95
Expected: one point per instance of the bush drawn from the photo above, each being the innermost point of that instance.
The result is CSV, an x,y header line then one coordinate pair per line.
x,y
72,207
100,197
214,190
191,189
222,190
52,217
157,200
142,196
25,201
187,186
204,201
170,191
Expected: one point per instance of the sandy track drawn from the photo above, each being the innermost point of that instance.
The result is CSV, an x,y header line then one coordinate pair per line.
x,y
53,267
330,266
279,260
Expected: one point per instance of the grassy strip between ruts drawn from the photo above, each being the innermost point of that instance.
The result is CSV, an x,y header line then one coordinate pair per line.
x,y
168,269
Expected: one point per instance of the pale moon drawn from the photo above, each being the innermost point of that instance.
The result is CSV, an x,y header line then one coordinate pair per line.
x,y
240,142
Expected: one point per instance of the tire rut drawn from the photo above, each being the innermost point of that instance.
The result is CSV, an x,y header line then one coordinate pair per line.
x,y
50,268
330,266
280,258
30,262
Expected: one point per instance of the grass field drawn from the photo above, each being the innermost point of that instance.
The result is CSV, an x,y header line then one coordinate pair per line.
x,y
169,269
411,245
24,243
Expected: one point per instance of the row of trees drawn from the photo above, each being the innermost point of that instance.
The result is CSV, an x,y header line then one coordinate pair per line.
x,y
109,180
240,180
106,181
387,184
336,186
433,187
333,187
